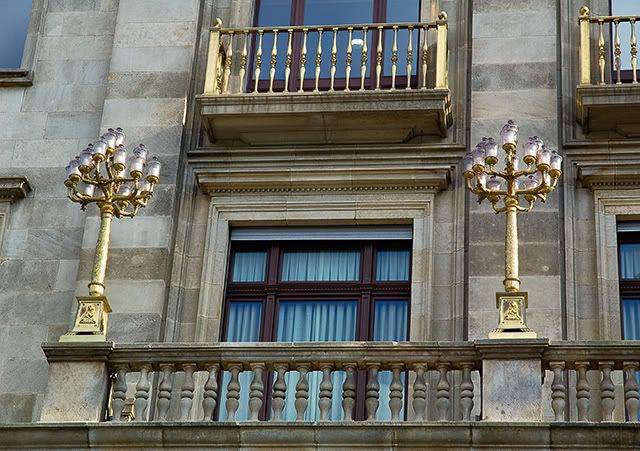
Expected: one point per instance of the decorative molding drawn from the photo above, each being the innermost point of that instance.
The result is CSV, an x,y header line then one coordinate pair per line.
x,y
607,175
14,188
18,77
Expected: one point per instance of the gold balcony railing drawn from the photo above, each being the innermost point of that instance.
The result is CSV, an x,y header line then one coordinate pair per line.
x,y
327,58
612,35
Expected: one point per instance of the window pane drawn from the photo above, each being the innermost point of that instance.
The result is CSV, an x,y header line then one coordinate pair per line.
x,y
243,325
631,317
401,11
321,265
389,324
392,264
273,13
249,266
14,23
315,321
625,8
630,261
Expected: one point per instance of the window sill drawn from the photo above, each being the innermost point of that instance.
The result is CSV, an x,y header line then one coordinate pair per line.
x,y
13,188
16,77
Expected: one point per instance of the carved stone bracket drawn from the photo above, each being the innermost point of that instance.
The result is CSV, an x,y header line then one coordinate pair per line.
x,y
14,188
609,175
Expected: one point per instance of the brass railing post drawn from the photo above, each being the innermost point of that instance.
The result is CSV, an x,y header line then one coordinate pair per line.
x,y
213,61
585,46
442,52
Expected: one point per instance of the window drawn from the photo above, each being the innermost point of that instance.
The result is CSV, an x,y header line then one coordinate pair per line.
x,y
624,8
307,285
280,13
629,264
14,24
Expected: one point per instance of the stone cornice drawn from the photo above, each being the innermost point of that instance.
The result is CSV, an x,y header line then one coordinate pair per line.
x,y
78,352
609,175
13,188
299,180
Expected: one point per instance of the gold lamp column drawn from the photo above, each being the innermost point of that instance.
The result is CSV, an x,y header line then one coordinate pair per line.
x,y
102,175
504,189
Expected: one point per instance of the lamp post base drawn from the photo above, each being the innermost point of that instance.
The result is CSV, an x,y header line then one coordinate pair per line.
x,y
90,324
512,309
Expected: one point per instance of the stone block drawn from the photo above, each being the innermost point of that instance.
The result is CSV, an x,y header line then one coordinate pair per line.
x,y
20,375
144,112
23,341
142,263
541,103
152,231
81,72
519,49
160,34
144,85
134,328
34,275
49,153
17,407
136,296
154,11
73,5
67,274
517,6
84,126
54,243
512,390
76,391
154,59
54,96
492,77
490,24
91,23
11,99
22,125
81,47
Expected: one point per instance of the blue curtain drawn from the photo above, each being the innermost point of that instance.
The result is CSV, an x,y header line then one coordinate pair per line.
x,y
243,325
321,265
389,324
630,261
316,321
631,318
392,264
249,266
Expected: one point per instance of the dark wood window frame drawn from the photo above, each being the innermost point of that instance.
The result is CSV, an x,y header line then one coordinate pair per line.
x,y
297,18
366,291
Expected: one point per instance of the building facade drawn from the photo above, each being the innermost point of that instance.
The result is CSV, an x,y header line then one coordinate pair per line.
x,y
312,191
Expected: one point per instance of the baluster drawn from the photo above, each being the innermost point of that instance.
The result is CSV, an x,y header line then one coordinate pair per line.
x,y
256,394
631,394
363,60
287,62
616,50
443,402
302,392
582,391
409,57
243,62
142,393
466,391
258,61
119,394
372,391
210,395
607,393
394,57
379,57
634,51
349,392
334,57
303,58
164,390
558,390
279,392
274,60
326,392
425,56
349,59
228,61
419,393
186,396
601,52
318,60
395,393
233,392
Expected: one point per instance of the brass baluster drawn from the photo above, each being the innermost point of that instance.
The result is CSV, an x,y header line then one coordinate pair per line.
x,y
258,61
409,57
394,57
634,51
616,51
318,60
349,59
585,46
425,56
228,60
303,58
379,57
287,63
601,52
334,57
363,67
243,62
274,60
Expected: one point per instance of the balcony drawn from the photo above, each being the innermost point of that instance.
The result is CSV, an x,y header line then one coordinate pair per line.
x,y
484,393
608,96
333,84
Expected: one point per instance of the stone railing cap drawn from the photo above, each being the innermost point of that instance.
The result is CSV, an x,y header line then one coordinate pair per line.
x,y
77,352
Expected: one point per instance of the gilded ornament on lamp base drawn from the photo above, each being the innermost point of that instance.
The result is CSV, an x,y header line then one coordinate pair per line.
x,y
512,308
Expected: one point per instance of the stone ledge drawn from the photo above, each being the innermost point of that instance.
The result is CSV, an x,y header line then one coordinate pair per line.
x,y
77,352
18,77
383,435
623,174
610,108
14,188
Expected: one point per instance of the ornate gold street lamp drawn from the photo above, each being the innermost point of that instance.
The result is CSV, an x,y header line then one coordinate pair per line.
x,y
505,189
102,175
